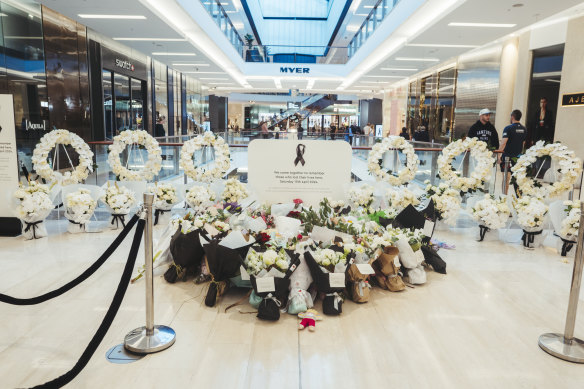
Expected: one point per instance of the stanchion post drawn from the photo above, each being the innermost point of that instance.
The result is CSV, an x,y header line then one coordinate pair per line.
x,y
150,338
566,346
505,175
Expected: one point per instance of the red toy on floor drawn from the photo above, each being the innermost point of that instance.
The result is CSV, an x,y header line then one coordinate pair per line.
x,y
309,319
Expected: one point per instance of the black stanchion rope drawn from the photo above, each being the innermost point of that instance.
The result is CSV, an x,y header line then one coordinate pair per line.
x,y
85,275
108,318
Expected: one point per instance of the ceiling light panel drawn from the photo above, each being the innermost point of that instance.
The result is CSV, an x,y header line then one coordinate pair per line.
x,y
174,54
482,25
414,59
151,39
99,16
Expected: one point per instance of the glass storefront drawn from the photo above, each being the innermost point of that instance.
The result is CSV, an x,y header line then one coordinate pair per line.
x,y
431,103
160,99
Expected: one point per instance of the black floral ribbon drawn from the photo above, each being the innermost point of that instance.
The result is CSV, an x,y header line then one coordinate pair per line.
x,y
119,218
567,246
300,154
157,213
483,232
34,227
529,237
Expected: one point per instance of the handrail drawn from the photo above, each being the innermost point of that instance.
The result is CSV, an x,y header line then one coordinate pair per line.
x,y
109,142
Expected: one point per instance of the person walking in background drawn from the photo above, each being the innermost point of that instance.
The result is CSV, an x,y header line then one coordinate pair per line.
x,y
264,130
404,133
514,136
544,123
333,130
484,130
424,135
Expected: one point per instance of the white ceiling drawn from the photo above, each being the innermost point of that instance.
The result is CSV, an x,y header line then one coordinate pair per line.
x,y
433,31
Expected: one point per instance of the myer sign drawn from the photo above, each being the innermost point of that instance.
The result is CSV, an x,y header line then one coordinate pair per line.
x,y
124,64
294,70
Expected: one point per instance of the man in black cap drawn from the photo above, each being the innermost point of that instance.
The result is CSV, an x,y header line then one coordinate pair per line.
x,y
484,130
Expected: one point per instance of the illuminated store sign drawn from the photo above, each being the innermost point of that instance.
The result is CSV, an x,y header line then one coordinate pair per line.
x,y
29,126
572,99
124,64
294,70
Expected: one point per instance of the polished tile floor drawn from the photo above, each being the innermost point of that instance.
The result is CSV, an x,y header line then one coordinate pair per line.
x,y
476,327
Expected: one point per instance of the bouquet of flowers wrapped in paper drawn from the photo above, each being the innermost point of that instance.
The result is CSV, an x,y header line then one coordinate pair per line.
x,y
362,196
300,299
79,207
234,191
386,264
34,205
531,213
119,200
165,198
223,261
328,268
491,212
570,226
199,197
270,272
358,285
186,248
411,256
446,201
399,199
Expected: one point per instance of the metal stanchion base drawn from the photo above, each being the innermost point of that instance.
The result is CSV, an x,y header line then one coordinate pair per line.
x,y
554,344
138,342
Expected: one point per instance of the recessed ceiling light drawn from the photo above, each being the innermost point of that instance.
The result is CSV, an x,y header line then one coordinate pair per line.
x,y
190,64
213,78
220,83
151,39
417,59
368,6
441,45
401,69
173,54
385,76
96,16
361,14
495,25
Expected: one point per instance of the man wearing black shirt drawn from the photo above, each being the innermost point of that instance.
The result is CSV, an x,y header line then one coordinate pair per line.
x,y
484,130
513,138
513,141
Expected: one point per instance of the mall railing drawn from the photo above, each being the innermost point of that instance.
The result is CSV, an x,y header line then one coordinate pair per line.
x,y
171,171
376,16
219,15
297,54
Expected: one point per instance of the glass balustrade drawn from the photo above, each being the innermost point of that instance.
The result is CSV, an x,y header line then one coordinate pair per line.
x,y
427,153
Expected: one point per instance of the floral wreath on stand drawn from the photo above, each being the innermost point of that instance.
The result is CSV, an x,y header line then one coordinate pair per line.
x,y
52,140
569,170
129,138
375,160
483,169
221,157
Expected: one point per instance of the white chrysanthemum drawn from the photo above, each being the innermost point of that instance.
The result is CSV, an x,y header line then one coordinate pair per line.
x,y
140,137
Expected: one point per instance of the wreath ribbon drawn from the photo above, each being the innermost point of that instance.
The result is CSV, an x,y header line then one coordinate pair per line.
x,y
300,149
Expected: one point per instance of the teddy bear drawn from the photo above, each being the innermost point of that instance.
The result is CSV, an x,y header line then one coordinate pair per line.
x,y
309,319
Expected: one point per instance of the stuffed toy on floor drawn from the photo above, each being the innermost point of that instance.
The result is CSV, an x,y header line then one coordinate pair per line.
x,y
309,319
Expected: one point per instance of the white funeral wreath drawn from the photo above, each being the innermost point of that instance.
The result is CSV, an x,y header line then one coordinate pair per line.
x,y
482,171
569,170
129,138
52,140
404,176
221,157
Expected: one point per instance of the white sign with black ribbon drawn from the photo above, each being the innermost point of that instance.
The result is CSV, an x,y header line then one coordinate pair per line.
x,y
8,156
284,170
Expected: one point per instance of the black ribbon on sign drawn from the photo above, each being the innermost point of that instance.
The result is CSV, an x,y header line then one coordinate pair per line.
x,y
567,246
529,237
118,219
34,227
483,232
300,154
157,213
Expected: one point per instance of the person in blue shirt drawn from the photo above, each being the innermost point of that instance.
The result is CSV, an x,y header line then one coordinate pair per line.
x,y
514,136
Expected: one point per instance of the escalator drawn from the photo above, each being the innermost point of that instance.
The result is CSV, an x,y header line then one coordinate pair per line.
x,y
310,106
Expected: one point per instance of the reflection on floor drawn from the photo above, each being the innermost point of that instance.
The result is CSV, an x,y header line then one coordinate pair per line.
x,y
476,327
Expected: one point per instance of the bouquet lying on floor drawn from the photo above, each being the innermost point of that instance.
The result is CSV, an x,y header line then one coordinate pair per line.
x,y
287,253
